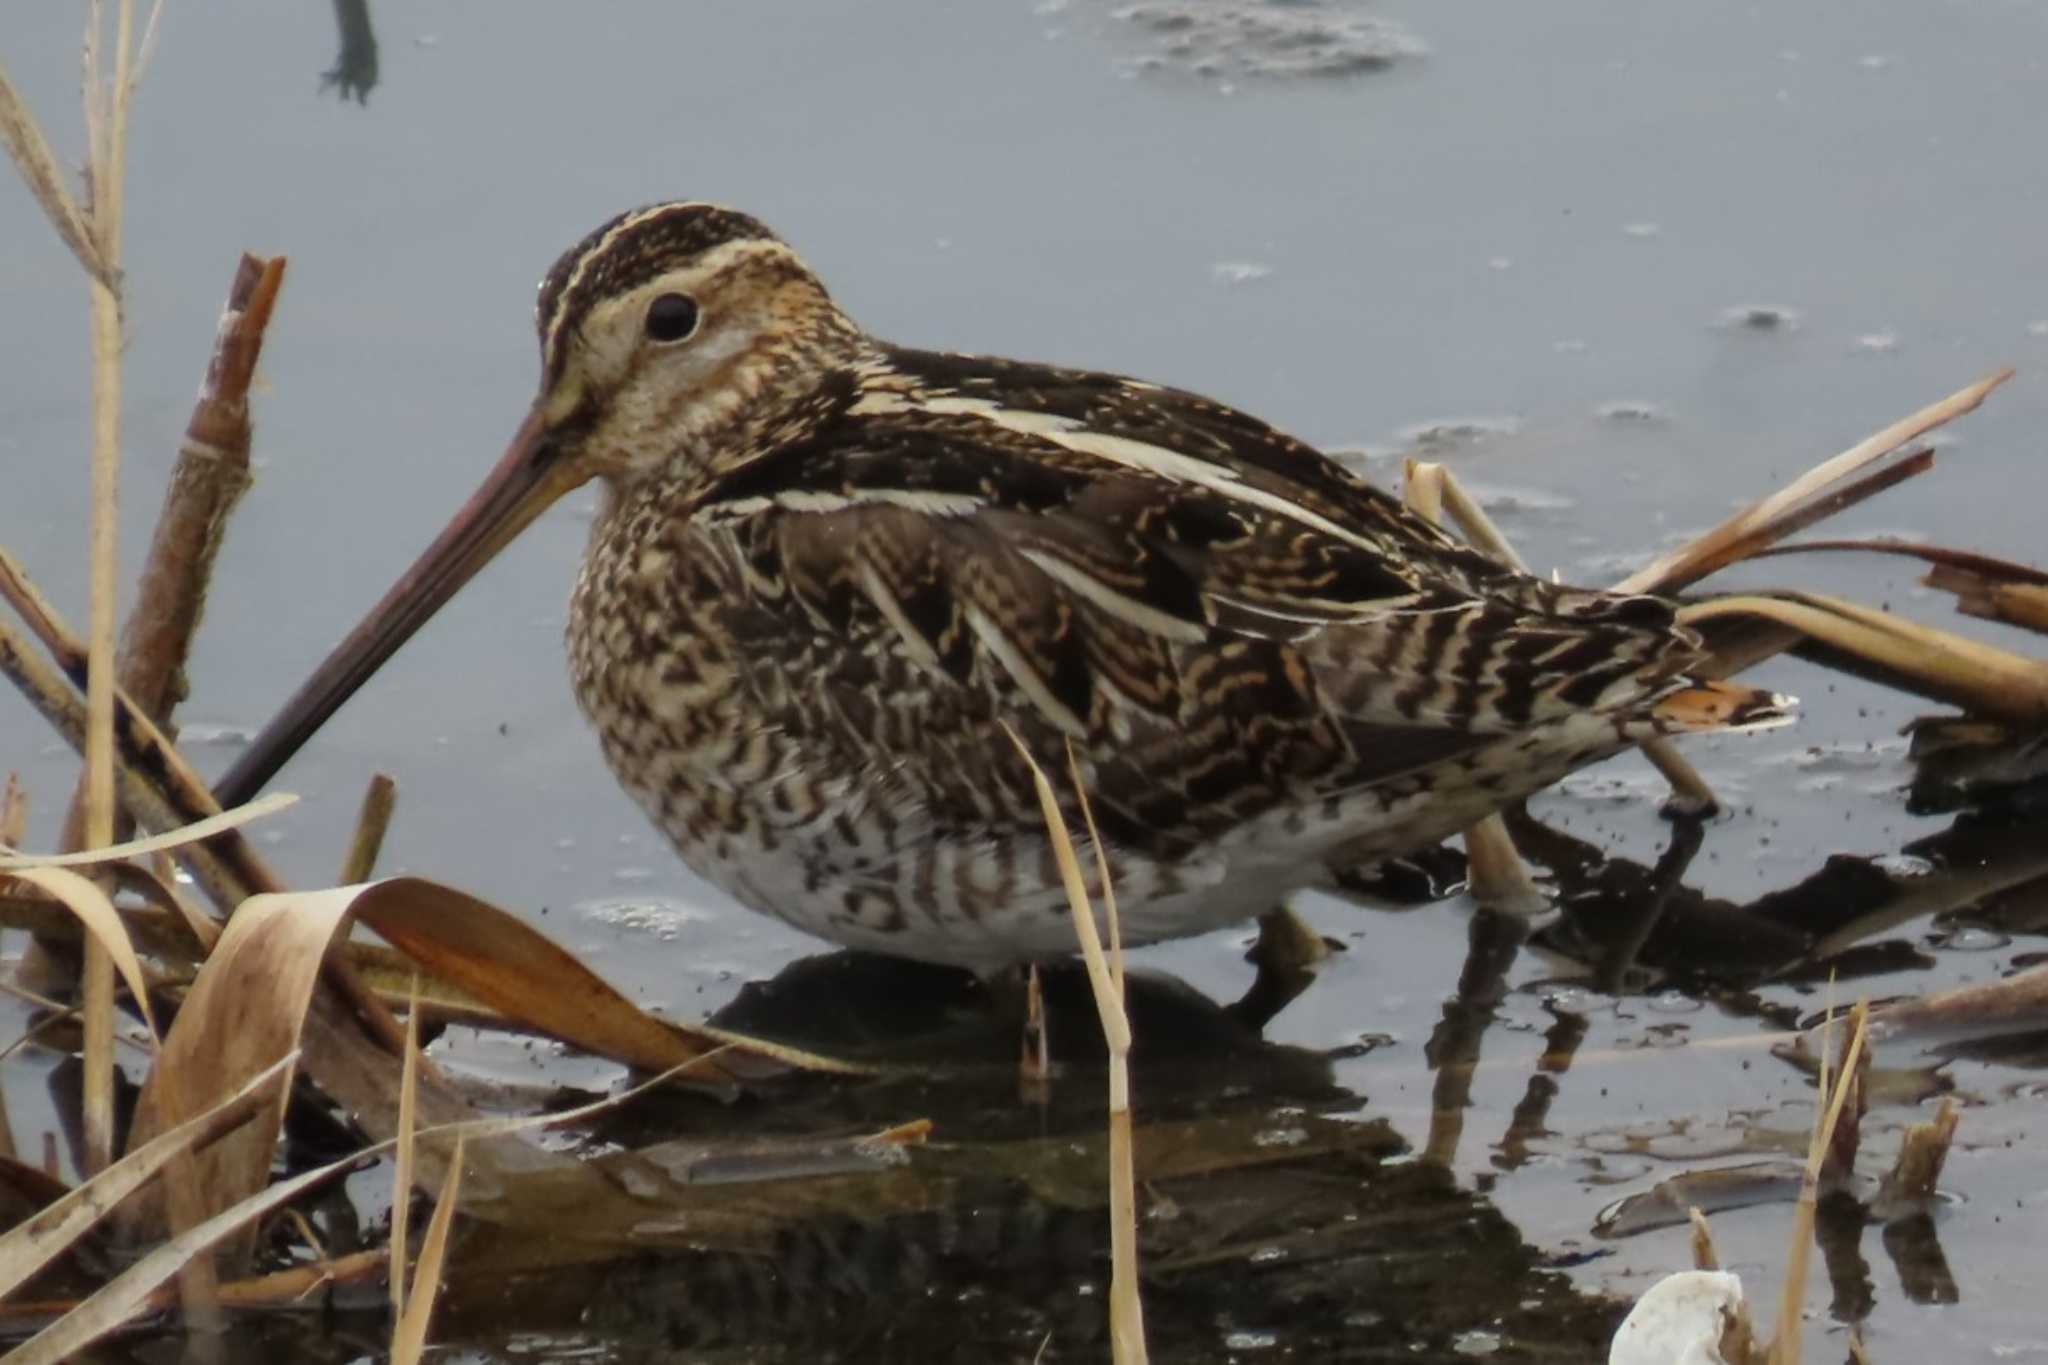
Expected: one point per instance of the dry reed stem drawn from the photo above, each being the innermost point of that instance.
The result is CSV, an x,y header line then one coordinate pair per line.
x,y
371,823
1126,1307
229,869
279,1289
31,1245
11,859
37,165
1718,547
1834,1093
209,478
108,168
409,1332
133,1290
1944,666
1704,1255
105,929
402,1163
1910,1184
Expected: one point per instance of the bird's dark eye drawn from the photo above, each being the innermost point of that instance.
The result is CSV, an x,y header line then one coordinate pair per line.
x,y
671,317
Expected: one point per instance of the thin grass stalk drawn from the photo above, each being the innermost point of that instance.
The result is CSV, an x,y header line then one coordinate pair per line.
x,y
409,1331
402,1161
1126,1308
1835,1090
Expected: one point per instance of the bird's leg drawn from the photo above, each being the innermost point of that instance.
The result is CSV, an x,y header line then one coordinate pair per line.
x,y
1288,954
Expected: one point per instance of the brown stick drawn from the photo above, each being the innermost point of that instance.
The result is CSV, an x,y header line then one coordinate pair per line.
x,y
211,474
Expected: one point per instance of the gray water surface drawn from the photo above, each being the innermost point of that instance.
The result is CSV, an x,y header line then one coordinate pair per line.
x,y
1549,226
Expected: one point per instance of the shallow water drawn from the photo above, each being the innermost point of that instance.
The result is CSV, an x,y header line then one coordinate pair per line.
x,y
1624,267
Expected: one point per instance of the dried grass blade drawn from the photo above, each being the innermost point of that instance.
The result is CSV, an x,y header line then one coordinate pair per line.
x,y
102,921
409,1337
29,1246
131,1291
40,172
402,1164
1710,551
508,965
1114,1028
1126,1308
1835,1090
1981,565
165,842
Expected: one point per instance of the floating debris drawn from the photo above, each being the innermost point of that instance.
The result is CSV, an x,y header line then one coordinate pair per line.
x,y
1632,410
1761,317
1450,432
1270,40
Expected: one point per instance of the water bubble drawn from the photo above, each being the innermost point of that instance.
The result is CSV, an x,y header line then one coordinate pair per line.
x,y
1675,1002
1641,230
1878,341
1281,1137
1476,1343
1250,1341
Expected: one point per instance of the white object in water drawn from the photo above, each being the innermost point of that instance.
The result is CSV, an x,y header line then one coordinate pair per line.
x,y
1696,1317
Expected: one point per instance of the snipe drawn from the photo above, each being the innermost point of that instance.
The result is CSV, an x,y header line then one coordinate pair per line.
x,y
828,571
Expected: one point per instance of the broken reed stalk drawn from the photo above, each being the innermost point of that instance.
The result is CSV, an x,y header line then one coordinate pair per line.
x,y
1835,1091
371,822
208,480
1750,529
1126,1307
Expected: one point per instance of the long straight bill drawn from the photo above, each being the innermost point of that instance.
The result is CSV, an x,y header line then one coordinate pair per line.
x,y
525,481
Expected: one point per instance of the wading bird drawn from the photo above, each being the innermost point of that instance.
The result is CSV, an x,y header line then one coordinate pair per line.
x,y
831,576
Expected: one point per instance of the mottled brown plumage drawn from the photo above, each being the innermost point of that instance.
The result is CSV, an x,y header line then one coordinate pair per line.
x,y
829,572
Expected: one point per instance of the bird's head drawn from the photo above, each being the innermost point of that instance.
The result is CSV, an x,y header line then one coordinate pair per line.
x,y
664,331
664,335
